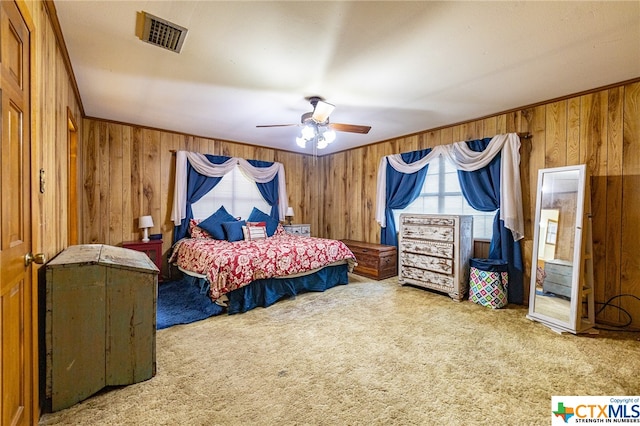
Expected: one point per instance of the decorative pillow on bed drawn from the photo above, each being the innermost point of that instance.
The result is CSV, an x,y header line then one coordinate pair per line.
x,y
213,224
254,232
198,232
195,231
259,216
233,230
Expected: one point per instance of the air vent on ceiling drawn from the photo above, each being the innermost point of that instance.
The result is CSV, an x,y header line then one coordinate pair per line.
x,y
162,33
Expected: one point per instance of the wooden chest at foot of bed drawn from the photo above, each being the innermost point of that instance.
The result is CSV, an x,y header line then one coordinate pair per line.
x,y
375,261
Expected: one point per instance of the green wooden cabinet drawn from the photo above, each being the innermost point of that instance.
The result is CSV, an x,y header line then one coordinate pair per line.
x,y
100,321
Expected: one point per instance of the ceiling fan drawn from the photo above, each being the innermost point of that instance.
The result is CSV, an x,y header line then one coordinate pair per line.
x,y
320,117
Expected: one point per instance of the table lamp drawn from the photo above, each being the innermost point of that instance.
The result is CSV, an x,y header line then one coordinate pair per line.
x,y
145,222
289,215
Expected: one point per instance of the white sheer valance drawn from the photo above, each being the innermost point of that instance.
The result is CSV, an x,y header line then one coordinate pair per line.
x,y
465,159
203,166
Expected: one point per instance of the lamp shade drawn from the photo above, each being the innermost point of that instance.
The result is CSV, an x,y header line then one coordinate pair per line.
x,y
145,222
322,111
289,211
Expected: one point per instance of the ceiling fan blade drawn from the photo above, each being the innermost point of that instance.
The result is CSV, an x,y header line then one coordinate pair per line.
x,y
276,125
352,128
322,111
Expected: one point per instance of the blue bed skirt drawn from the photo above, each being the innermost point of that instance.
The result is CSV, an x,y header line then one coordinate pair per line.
x,y
268,291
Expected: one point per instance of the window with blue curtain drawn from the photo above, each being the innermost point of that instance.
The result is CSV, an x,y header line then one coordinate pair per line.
x,y
441,194
236,192
199,185
481,188
481,191
402,189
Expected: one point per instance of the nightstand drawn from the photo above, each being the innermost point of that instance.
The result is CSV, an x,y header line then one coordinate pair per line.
x,y
304,230
153,249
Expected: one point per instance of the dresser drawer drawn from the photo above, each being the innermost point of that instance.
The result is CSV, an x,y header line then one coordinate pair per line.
x,y
303,230
430,248
422,278
560,269
558,277
429,220
428,232
430,263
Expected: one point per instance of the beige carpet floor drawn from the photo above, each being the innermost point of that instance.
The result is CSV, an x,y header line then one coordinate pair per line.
x,y
368,353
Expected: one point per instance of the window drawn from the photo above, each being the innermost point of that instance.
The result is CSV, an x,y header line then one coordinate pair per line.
x,y
441,194
237,193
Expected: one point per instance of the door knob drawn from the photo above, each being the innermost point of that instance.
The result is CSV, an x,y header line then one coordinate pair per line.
x,y
38,258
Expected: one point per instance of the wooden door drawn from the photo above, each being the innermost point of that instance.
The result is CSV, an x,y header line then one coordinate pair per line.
x,y
16,292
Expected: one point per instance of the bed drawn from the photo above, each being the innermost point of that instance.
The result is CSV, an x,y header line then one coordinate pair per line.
x,y
242,264
244,274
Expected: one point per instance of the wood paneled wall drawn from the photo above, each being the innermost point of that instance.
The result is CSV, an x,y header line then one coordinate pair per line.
x,y
600,129
129,171
53,103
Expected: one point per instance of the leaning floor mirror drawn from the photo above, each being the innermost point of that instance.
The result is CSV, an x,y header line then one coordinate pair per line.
x,y
561,295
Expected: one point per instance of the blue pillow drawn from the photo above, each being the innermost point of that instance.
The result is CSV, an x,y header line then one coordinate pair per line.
x,y
233,230
259,216
213,224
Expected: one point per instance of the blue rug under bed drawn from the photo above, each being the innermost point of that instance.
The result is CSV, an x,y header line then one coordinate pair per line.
x,y
186,301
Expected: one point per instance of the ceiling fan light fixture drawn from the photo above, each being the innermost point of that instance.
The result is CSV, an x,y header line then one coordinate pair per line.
x,y
306,117
308,132
329,135
321,136
322,111
302,142
316,128
322,143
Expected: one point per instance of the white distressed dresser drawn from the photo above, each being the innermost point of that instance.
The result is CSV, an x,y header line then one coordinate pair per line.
x,y
434,252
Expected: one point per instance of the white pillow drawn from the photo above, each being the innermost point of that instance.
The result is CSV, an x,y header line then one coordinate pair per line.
x,y
252,233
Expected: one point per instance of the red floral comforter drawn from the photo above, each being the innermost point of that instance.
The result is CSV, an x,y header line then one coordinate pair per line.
x,y
229,266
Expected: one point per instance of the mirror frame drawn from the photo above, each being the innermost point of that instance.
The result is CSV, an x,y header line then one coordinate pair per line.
x,y
580,319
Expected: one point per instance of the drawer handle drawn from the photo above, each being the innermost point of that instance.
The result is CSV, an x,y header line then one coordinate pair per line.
x,y
365,250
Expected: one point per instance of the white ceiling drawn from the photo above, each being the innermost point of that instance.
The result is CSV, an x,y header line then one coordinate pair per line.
x,y
400,67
